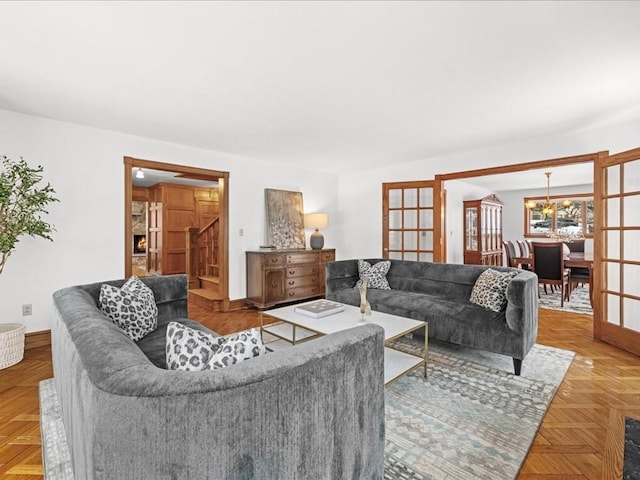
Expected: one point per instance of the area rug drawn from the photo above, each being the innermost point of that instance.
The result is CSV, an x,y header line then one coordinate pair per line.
x,y
578,303
472,418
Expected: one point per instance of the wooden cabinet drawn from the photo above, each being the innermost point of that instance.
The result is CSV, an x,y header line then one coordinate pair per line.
x,y
483,231
280,276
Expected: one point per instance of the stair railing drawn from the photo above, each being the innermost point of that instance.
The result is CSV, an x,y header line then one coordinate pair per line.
x,y
202,251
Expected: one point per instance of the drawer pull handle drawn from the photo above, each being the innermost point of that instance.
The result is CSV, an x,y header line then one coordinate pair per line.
x,y
292,272
292,282
291,294
274,260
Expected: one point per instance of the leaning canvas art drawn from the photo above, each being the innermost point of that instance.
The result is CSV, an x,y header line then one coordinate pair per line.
x,y
285,219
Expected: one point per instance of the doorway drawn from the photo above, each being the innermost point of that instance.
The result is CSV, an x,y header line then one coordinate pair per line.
x,y
194,174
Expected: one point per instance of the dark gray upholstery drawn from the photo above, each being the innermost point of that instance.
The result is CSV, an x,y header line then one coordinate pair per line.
x,y
313,411
439,294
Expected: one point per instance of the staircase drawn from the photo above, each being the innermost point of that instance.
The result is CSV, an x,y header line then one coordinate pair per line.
x,y
202,266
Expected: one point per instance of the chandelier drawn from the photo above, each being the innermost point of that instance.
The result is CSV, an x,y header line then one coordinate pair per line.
x,y
566,234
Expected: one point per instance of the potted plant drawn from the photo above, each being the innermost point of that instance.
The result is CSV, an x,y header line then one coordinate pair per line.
x,y
23,203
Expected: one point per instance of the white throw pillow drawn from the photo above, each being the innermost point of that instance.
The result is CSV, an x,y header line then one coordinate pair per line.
x,y
375,275
132,308
490,289
192,350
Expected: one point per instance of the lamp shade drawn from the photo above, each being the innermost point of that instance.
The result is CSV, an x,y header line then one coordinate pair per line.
x,y
316,220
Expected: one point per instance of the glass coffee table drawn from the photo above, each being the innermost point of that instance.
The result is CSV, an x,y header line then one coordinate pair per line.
x,y
293,328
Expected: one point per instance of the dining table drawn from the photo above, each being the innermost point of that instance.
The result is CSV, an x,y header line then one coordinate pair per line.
x,y
573,259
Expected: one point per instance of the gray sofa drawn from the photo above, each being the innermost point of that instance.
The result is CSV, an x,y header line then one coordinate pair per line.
x,y
439,294
314,411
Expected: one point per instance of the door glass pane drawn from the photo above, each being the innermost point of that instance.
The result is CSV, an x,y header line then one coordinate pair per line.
x,y
395,198
395,255
613,180
613,245
426,240
612,207
426,257
632,176
426,197
631,285
613,276
613,309
631,208
410,219
395,219
632,246
411,256
410,198
631,313
395,240
590,227
426,218
410,240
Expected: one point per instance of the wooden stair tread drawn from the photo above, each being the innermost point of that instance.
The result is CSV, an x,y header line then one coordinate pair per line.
x,y
209,278
208,294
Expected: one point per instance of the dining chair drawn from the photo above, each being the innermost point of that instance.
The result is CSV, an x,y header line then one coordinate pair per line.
x,y
510,250
524,252
576,246
548,264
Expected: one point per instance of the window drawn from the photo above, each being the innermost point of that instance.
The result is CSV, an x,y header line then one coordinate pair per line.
x,y
573,212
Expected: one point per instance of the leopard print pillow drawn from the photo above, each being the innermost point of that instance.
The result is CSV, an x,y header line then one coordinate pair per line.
x,y
375,276
132,308
490,289
192,350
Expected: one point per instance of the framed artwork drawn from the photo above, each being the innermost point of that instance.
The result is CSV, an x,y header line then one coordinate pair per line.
x,y
285,219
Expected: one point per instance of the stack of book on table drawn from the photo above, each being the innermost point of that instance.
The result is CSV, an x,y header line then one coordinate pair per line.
x,y
319,308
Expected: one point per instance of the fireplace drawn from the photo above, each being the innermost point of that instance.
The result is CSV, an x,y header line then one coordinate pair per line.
x,y
139,244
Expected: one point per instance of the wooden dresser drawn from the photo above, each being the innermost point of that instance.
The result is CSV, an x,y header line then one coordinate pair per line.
x,y
280,276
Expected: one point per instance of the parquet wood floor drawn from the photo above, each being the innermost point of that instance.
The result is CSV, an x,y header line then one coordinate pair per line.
x,y
579,439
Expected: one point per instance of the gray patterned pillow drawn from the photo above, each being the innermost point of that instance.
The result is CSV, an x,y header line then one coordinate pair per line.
x,y
490,289
376,275
132,308
192,350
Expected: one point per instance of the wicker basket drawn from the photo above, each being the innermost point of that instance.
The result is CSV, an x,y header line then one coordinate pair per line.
x,y
11,344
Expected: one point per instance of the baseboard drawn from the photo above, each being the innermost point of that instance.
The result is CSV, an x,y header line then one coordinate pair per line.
x,y
43,337
37,339
237,304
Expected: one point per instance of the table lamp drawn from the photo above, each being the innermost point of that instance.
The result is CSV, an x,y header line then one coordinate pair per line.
x,y
317,221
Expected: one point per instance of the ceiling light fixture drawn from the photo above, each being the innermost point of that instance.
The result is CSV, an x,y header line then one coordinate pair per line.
x,y
139,173
547,208
567,203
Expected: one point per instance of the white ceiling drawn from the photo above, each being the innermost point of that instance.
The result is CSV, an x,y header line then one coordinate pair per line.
x,y
330,85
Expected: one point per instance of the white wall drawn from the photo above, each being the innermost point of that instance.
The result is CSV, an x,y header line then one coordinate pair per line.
x,y
360,193
457,192
85,166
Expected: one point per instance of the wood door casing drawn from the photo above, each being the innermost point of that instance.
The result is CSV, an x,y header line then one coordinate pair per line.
x,y
188,172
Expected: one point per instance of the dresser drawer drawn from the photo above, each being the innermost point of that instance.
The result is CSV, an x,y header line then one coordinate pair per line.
x,y
297,271
328,256
302,292
273,260
300,258
295,282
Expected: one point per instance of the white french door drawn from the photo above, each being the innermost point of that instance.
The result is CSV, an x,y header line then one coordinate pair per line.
x,y
617,250
413,220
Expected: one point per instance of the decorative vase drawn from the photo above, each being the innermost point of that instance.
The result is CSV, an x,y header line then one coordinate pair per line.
x,y
365,307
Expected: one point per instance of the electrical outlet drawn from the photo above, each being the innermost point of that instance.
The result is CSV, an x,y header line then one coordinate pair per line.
x,y
26,310
241,232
